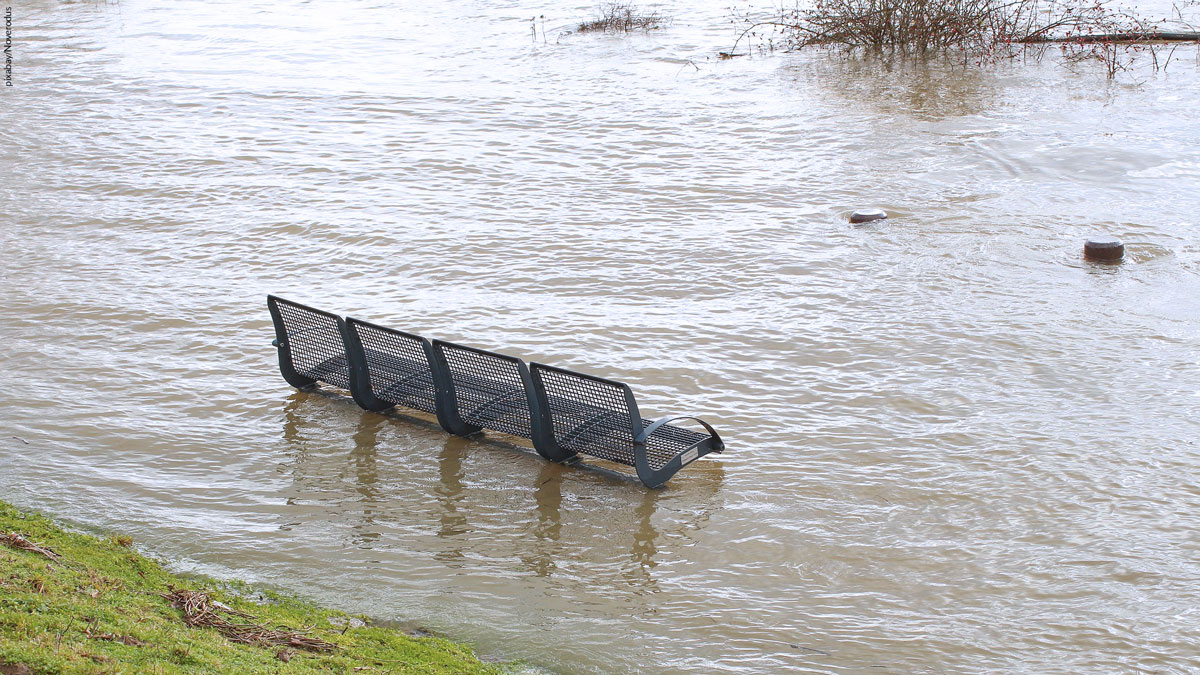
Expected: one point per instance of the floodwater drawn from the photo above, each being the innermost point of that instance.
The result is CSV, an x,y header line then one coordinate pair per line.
x,y
953,445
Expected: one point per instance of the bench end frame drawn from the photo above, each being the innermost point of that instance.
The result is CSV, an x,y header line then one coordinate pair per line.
x,y
282,348
653,478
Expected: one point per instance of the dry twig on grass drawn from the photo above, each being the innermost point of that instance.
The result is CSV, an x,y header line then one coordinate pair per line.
x,y
14,540
199,610
113,637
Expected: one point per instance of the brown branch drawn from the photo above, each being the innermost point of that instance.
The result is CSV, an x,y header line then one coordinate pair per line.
x,y
1149,36
14,540
200,610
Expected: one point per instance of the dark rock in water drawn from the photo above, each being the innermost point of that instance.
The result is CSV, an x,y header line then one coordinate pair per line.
x,y
867,215
1103,248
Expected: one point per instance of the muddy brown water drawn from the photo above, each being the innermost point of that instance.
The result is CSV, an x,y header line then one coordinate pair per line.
x,y
954,446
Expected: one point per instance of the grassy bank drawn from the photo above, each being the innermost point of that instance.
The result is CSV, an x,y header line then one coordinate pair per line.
x,y
72,603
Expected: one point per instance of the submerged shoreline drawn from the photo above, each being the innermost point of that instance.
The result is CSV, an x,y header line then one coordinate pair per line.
x,y
76,603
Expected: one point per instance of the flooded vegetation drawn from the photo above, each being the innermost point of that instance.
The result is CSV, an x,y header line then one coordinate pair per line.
x,y
618,17
953,444
978,32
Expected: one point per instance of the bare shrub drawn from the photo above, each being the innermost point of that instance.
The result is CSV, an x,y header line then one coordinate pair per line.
x,y
979,30
621,17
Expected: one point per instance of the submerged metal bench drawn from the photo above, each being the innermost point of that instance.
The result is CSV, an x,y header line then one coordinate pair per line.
x,y
563,413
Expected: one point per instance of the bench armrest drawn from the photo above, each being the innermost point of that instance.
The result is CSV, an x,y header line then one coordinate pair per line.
x,y
653,478
717,444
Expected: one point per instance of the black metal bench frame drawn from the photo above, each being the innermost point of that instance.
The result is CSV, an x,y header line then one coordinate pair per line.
x,y
563,413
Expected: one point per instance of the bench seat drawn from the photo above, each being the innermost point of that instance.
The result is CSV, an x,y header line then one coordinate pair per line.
x,y
397,367
310,345
599,417
562,412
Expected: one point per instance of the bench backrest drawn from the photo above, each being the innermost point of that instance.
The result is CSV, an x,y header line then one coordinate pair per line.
x,y
588,414
398,365
310,343
488,390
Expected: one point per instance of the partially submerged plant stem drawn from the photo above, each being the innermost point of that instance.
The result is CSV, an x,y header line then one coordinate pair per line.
x,y
622,17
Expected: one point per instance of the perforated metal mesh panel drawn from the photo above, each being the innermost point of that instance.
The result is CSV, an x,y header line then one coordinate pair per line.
x,y
399,368
668,441
488,389
590,416
315,344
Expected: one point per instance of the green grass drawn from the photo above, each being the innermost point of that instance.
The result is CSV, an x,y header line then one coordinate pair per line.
x,y
99,609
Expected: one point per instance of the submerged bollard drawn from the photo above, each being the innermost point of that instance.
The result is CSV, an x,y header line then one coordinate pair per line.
x,y
867,215
1104,248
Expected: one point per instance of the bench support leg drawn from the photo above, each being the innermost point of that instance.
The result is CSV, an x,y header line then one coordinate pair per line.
x,y
287,370
360,374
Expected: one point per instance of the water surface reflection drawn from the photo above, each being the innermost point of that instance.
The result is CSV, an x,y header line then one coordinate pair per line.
x,y
366,490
